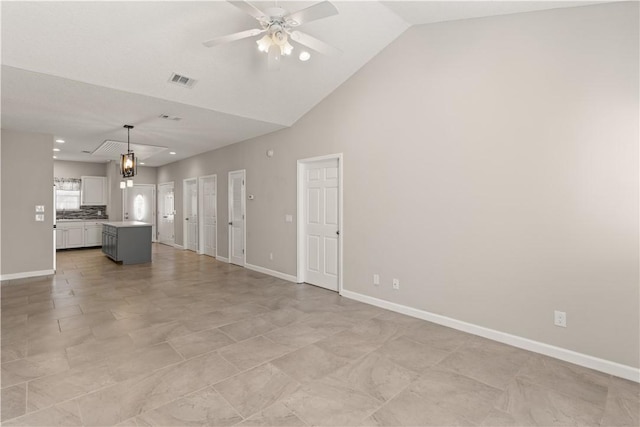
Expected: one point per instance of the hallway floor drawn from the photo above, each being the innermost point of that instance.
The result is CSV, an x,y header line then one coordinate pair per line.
x,y
188,340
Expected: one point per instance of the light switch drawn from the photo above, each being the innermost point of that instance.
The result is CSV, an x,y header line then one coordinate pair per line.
x,y
288,218
39,208
40,217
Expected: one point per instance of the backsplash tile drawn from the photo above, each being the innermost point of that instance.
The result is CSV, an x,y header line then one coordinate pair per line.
x,y
85,212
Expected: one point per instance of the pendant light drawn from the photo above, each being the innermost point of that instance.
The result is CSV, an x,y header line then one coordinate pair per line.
x,y
128,162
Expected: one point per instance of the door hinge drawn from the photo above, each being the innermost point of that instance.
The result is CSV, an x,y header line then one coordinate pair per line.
x,y
242,216
243,182
243,252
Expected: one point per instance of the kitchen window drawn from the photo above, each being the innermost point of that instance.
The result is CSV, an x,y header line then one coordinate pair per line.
x,y
67,194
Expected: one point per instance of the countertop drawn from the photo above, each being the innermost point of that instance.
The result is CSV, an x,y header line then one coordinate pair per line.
x,y
119,224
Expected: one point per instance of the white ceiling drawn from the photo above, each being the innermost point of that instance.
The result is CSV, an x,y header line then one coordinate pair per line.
x,y
81,70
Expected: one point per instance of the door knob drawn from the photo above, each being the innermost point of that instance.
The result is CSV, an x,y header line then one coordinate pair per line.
x,y
338,232
231,223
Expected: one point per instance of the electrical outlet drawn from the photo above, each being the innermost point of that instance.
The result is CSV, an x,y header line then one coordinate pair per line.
x,y
560,318
396,284
376,279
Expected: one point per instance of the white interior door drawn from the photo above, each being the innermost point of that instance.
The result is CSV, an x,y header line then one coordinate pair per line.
x,y
166,213
208,215
236,217
139,204
190,196
321,223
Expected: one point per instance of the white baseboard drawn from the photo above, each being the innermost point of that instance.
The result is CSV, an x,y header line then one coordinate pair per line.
x,y
602,365
273,273
27,274
175,245
221,258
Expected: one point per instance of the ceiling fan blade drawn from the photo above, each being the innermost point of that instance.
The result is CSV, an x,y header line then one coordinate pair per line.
x,y
233,37
313,43
311,13
250,9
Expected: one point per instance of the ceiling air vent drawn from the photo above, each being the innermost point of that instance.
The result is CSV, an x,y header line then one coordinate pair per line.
x,y
182,80
168,117
113,149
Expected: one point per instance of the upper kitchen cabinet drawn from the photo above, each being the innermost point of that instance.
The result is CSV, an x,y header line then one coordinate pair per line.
x,y
93,191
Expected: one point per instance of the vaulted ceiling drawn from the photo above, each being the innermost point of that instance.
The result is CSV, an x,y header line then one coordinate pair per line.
x,y
81,70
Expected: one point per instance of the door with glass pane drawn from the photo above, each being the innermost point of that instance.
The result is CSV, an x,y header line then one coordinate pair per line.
x,y
166,213
138,204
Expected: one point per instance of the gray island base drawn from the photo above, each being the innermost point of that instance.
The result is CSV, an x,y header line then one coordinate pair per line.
x,y
128,242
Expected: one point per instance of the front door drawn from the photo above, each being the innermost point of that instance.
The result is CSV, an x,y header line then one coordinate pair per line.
x,y
139,204
321,227
236,217
191,214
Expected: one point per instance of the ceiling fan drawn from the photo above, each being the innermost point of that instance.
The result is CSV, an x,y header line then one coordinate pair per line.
x,y
280,27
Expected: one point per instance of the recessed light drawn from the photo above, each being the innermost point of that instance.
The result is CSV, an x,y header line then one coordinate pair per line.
x,y
172,152
304,56
56,149
55,157
60,141
141,163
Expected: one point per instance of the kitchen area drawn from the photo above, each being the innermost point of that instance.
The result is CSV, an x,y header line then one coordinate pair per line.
x,y
87,212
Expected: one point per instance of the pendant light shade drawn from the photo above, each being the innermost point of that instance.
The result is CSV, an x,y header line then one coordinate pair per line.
x,y
128,162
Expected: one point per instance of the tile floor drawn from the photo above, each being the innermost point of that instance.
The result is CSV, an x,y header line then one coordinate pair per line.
x,y
188,340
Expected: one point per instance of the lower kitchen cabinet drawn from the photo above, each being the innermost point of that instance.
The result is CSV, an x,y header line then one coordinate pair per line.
x,y
93,233
78,234
70,235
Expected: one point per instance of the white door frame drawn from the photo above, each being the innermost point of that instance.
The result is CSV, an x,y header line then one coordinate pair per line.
x,y
201,212
244,209
173,186
185,232
154,207
301,250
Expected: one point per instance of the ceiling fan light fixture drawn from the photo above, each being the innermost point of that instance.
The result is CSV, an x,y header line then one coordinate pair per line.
x,y
264,43
286,48
279,25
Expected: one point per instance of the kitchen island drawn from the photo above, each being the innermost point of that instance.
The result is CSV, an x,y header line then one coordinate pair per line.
x,y
128,242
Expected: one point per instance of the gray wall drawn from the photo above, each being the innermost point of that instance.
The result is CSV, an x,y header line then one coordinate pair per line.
x,y
26,181
67,169
490,164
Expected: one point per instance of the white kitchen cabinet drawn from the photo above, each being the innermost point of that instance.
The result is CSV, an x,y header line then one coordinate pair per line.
x,y
59,238
69,235
93,233
93,191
